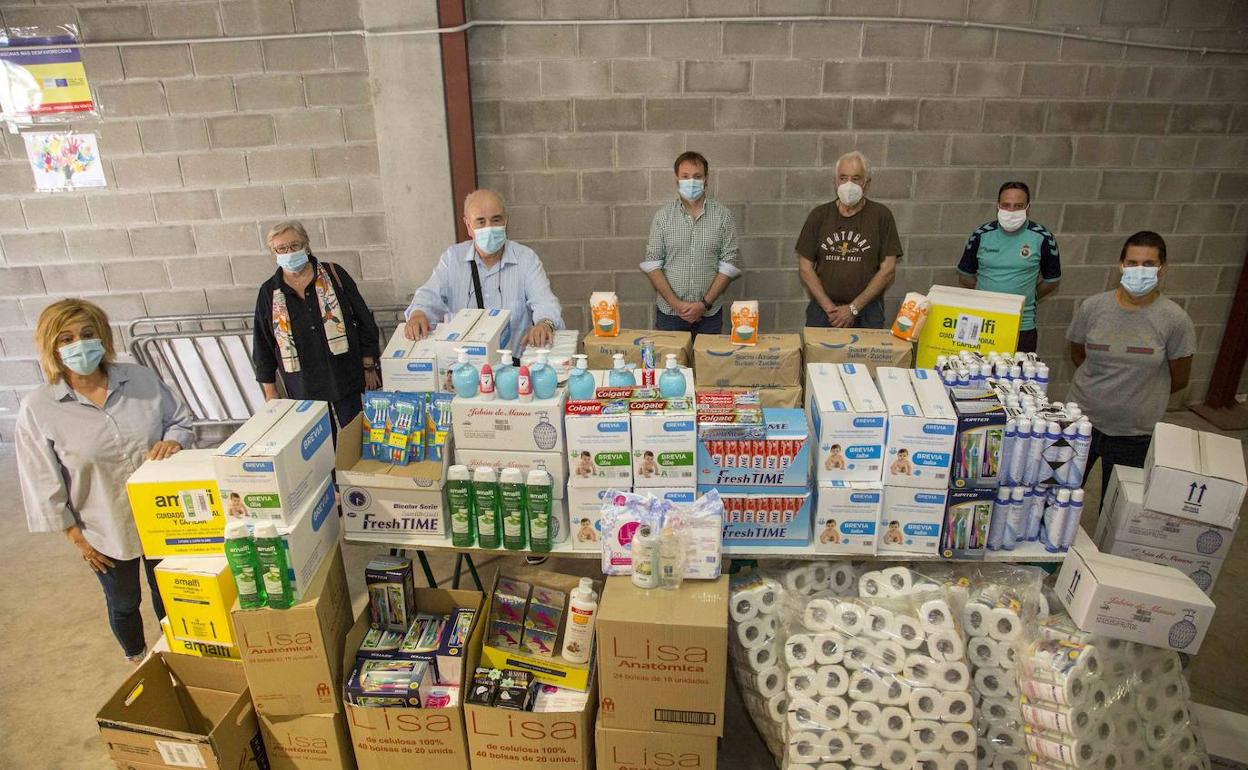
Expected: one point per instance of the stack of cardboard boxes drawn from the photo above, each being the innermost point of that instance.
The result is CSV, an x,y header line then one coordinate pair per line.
x,y
424,366
772,367
870,348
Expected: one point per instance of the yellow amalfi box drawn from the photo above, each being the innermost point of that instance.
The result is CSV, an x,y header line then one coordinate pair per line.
x,y
197,649
968,319
177,507
198,592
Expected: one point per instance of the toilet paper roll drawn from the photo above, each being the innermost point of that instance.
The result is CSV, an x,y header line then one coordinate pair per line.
x,y
1012,763
929,760
896,692
837,745
1175,716
818,615
798,580
864,717
832,766
960,761
1184,741
868,750
909,632
754,633
895,723
888,656
1130,727
952,676
768,599
763,657
959,737
1001,710
819,572
778,707
1006,740
1090,660
833,711
857,653
1078,721
865,685
744,606
945,645
926,735
1064,748
833,680
1138,756
1008,654
898,755
925,703
840,578
1149,706
849,619
804,714
985,754
1110,760
871,585
900,580
1077,689
799,650
802,681
975,618
829,648
920,670
991,682
807,748
936,614
983,651
957,706
1157,735
769,681
1042,606
1174,689
879,623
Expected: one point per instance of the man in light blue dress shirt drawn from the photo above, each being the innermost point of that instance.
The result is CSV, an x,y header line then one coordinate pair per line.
x,y
509,275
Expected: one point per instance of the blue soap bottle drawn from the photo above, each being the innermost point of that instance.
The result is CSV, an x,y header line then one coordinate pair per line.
x,y
465,378
672,384
545,380
506,377
620,377
580,381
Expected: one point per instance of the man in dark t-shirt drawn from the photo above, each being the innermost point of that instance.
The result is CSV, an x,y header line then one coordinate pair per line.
x,y
848,251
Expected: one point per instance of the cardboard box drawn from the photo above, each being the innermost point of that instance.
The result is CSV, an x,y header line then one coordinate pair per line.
x,y
847,517
776,361
779,398
921,428
307,742
672,495
554,463
968,319
198,649
500,739
977,448
1194,475
312,537
1126,599
535,426
848,420
1202,570
600,445
410,366
764,516
1124,520
601,349
663,660
449,335
665,444
911,519
491,332
293,657
177,506
585,516
271,465
198,592
968,514
871,348
178,711
654,750
782,459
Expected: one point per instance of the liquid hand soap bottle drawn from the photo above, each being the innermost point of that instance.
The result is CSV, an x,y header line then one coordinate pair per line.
x,y
672,384
545,380
620,377
505,376
580,381
465,377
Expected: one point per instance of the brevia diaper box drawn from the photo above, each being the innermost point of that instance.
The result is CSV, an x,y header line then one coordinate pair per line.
x,y
411,366
585,515
276,461
911,520
479,332
600,446
847,517
664,439
848,420
921,428
177,506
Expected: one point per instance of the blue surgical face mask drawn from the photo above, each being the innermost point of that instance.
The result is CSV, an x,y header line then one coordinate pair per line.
x,y
690,189
1139,280
294,261
82,357
490,239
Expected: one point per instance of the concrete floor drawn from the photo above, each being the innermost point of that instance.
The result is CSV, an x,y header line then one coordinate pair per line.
x,y
61,663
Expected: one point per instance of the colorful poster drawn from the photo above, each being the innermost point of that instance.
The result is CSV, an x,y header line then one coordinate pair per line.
x,y
64,161
43,83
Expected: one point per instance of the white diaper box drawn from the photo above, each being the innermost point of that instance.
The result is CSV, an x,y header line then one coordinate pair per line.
x,y
599,445
311,537
449,335
849,419
1124,520
491,331
682,495
922,427
1195,475
410,366
911,519
518,426
664,444
847,517
276,460
585,515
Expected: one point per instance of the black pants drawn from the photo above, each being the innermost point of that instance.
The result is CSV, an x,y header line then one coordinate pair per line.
x,y
709,324
1116,450
1028,339
124,595
870,317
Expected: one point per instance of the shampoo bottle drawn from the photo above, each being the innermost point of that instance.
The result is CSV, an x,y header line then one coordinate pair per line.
x,y
540,501
578,632
620,377
465,378
274,569
505,376
240,552
511,499
672,383
580,381
545,379
459,501
645,547
485,493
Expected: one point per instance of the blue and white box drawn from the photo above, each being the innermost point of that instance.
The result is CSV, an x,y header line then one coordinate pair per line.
x,y
911,520
410,366
764,516
847,517
664,446
922,427
782,459
848,421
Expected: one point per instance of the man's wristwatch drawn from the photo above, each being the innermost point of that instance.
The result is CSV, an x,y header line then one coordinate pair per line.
x,y
853,309
706,305
549,323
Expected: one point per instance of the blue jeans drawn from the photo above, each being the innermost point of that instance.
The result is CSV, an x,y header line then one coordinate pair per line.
x,y
870,317
708,324
123,595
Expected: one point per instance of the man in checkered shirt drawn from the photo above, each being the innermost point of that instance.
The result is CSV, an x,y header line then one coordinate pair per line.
x,y
692,253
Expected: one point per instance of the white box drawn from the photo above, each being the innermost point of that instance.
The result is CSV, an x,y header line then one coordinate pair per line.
x,y
683,495
585,515
911,519
518,426
665,445
847,517
311,536
1195,475
410,366
1126,599
559,354
599,447
921,424
449,335
554,463
848,415
277,459
490,332
1202,570
1124,520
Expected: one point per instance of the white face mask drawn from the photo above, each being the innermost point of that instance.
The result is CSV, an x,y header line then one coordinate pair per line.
x,y
849,193
1011,220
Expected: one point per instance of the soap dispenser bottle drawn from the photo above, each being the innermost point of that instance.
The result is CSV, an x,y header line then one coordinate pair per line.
x,y
620,377
580,381
545,379
465,378
672,384
505,376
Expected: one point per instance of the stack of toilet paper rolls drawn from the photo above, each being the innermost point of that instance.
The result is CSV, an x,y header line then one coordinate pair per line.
x,y
879,682
993,622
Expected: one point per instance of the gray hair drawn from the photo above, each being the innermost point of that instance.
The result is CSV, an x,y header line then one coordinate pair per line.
x,y
282,227
480,193
861,159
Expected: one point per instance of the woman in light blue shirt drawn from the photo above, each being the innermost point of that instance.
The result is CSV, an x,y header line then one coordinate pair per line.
x,y
79,437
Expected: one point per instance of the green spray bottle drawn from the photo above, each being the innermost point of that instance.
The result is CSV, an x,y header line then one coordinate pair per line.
x,y
540,501
485,494
459,503
240,552
274,568
515,524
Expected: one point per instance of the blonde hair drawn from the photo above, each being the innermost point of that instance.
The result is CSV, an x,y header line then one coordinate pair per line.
x,y
282,227
854,155
54,319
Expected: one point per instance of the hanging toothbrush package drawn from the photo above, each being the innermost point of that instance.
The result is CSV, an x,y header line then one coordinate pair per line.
x,y
968,514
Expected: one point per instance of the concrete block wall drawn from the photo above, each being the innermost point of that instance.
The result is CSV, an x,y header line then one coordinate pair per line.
x,y
577,127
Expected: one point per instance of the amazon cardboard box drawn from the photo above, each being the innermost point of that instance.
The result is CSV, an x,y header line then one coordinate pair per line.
x,y
179,711
653,750
663,657
868,347
307,742
775,362
293,657
601,349
1194,475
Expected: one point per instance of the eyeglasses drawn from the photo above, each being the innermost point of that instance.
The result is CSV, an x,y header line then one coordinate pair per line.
x,y
288,248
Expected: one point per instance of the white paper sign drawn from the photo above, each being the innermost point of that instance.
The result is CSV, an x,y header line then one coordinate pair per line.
x,y
180,754
64,161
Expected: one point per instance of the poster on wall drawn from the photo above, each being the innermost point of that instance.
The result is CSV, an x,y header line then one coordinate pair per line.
x,y
45,83
64,161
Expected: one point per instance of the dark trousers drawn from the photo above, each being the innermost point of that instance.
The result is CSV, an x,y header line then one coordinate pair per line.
x,y
123,595
1116,450
708,324
1028,339
869,317
346,409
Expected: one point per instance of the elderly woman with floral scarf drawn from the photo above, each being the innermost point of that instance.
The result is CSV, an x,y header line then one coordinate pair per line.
x,y
314,329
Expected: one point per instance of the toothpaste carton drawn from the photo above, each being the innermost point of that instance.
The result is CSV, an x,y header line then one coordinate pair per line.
x,y
664,443
764,516
921,428
599,442
848,419
410,366
911,520
847,517
585,516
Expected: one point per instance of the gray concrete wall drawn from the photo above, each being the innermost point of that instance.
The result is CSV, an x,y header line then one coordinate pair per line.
x,y
578,126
